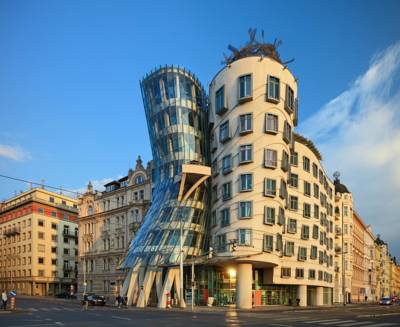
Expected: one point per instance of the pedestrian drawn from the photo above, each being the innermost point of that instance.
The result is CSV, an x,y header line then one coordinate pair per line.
x,y
4,300
119,301
85,302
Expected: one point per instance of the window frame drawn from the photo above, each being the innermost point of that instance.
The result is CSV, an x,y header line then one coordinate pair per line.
x,y
276,89
248,129
246,97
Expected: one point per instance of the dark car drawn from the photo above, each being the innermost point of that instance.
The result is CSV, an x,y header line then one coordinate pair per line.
x,y
94,299
386,300
65,295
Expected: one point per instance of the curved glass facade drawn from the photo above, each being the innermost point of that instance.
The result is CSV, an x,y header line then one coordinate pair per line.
x,y
177,119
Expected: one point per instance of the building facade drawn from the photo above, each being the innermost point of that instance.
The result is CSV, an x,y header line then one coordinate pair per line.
x,y
108,221
38,243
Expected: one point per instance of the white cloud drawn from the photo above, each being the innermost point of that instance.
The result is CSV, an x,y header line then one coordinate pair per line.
x,y
358,134
13,152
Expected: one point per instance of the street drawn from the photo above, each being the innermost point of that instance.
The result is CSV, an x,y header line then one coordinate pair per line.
x,y
35,312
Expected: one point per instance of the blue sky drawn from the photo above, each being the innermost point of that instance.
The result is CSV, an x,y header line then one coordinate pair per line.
x,y
70,104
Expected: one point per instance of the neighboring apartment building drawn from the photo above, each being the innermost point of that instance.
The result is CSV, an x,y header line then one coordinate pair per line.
x,y
370,265
382,273
107,223
38,243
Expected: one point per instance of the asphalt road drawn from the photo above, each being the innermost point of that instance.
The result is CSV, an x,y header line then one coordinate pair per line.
x,y
36,312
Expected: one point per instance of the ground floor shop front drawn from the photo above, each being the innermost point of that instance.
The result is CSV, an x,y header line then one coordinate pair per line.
x,y
39,287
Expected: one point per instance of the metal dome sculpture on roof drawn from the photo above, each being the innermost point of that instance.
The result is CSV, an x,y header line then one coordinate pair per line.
x,y
255,48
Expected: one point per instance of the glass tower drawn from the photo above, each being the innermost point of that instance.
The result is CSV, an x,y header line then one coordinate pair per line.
x,y
176,111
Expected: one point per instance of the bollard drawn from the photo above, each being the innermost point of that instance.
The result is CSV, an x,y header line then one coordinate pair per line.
x,y
12,303
168,299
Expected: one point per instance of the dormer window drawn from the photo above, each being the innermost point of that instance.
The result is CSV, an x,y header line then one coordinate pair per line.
x,y
139,179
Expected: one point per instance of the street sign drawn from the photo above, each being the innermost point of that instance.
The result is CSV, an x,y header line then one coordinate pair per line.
x,y
13,293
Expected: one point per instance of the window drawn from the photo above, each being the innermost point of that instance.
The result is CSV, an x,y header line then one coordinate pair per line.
x,y
302,256
41,211
271,158
244,237
271,123
41,235
54,214
279,242
66,251
54,238
273,89
313,252
315,232
289,251
268,243
305,232
246,182
41,260
292,226
226,191
285,272
269,215
307,188
214,167
311,274
213,219
269,187
245,87
287,132
316,191
224,134
214,193
294,159
54,262
299,273
315,170
285,161
225,217
245,123
54,249
139,180
306,210
227,164
245,209
294,180
246,153
306,164
283,190
41,222
54,226
220,106
221,243
316,211
294,203
281,216
289,103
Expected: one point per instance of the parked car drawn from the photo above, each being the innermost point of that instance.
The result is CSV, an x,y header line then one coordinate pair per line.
x,y
65,295
386,300
94,299
395,299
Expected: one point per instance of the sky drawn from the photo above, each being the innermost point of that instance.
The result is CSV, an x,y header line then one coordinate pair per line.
x,y
71,108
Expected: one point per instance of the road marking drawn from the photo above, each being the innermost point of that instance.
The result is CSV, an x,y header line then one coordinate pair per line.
x,y
379,315
121,318
55,308
293,318
318,321
281,325
382,324
32,309
336,322
355,324
44,309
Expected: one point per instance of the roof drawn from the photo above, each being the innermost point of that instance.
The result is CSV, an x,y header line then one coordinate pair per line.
x,y
308,143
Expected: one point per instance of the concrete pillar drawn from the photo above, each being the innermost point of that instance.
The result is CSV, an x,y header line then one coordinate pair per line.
x,y
244,280
319,296
302,295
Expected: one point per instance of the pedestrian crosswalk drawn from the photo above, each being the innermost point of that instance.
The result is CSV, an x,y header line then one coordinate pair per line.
x,y
348,323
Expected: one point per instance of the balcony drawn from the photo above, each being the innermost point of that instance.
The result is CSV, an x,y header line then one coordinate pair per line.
x,y
67,268
12,232
133,227
67,233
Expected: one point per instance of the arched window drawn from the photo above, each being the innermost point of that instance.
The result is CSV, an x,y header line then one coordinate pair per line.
x,y
139,179
90,210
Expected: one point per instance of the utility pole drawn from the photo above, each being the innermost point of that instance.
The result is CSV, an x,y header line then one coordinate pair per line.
x,y
84,275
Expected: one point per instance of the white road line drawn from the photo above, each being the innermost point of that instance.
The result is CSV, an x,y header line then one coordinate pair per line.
x,y
44,309
57,309
293,318
32,309
319,321
382,324
121,318
336,323
355,324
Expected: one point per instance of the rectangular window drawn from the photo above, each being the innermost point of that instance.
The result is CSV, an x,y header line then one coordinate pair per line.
x,y
279,242
41,211
269,187
287,132
305,232
306,164
285,272
315,170
220,106
273,89
214,219
271,123
289,103
281,217
299,273
221,243
224,134
245,123
306,210
285,161
271,158
41,222
246,182
315,232
54,226
268,243
316,211
225,217
41,260
292,226
41,235
311,274
246,153
316,191
227,164
283,190
294,180
294,203
245,209
244,237
269,215
226,191
214,167
289,251
294,159
214,193
313,252
307,188
245,87
302,256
